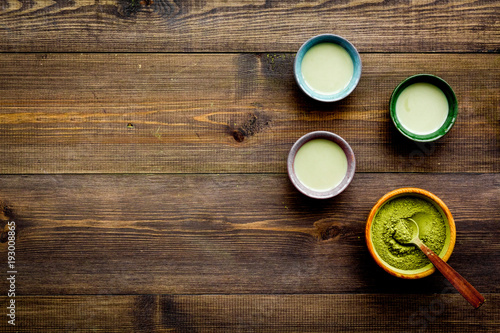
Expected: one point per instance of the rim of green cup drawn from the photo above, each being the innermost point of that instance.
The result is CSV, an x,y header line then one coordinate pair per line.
x,y
452,106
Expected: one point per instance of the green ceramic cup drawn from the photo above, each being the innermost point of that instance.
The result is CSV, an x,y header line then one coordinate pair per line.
x,y
450,97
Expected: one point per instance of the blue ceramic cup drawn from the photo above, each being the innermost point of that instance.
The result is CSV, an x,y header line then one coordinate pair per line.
x,y
321,96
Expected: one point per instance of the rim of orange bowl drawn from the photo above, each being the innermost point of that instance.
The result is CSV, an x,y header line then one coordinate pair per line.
x,y
409,190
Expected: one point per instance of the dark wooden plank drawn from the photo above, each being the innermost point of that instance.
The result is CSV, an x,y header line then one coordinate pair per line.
x,y
148,234
251,313
246,26
237,113
78,314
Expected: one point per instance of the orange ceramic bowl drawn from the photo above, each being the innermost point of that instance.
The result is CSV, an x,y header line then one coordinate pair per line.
x,y
450,232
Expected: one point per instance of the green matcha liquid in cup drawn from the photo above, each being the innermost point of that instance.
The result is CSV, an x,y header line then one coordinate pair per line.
x,y
327,68
422,108
320,164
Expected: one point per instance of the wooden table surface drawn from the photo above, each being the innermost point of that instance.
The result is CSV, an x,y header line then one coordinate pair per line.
x,y
143,162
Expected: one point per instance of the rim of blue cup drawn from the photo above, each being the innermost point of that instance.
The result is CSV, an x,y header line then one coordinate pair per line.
x,y
346,148
450,97
324,38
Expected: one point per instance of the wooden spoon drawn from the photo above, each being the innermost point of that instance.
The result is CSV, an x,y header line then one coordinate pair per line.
x,y
464,287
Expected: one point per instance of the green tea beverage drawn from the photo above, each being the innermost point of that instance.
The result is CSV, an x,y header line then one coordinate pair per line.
x,y
320,164
422,108
327,68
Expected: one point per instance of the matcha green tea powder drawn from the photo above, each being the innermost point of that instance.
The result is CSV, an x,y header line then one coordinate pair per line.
x,y
390,233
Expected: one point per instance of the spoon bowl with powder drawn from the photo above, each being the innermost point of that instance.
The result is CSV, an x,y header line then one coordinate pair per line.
x,y
407,232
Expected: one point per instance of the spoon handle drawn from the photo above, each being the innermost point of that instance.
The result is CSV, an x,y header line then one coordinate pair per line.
x,y
465,288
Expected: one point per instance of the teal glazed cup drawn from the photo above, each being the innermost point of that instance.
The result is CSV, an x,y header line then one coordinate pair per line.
x,y
327,38
450,97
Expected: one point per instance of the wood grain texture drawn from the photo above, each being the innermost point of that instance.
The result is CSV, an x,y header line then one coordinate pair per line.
x,y
231,113
159,234
246,26
143,159
255,313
